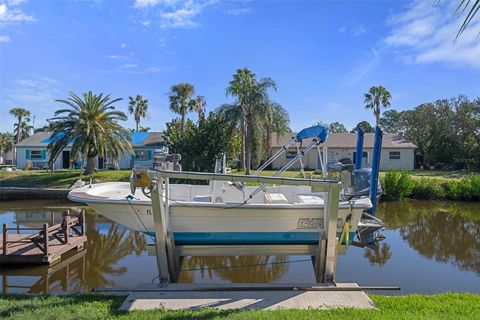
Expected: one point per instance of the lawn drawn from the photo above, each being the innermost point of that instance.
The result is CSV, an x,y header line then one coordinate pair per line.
x,y
440,306
57,179
65,178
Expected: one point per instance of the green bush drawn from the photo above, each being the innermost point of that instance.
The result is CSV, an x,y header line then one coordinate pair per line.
x,y
430,189
467,189
396,185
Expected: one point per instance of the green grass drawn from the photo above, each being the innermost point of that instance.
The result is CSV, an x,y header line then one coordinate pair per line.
x,y
440,306
57,179
65,178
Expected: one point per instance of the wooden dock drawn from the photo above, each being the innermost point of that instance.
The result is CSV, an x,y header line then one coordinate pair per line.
x,y
47,244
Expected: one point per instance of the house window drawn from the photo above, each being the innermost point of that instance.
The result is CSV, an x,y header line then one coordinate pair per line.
x,y
141,154
394,155
291,154
36,154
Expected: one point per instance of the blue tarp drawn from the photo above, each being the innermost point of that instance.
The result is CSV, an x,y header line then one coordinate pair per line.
x,y
56,138
138,137
319,132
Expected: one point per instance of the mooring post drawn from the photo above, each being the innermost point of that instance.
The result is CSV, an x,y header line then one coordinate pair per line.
x,y
173,263
5,242
45,239
331,216
160,230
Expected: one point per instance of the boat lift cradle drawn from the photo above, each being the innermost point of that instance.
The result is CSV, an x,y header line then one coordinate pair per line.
x,y
169,255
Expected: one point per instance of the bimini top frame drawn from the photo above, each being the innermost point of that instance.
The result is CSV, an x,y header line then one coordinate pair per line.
x,y
318,133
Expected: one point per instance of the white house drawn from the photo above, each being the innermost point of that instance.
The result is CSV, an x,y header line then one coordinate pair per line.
x,y
397,152
32,152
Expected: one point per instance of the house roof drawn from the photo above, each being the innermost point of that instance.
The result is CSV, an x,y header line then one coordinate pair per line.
x,y
139,139
349,140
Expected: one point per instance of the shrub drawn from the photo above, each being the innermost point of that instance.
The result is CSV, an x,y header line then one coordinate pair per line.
x,y
428,189
467,189
397,185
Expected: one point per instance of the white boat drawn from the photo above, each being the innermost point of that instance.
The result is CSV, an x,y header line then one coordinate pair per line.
x,y
218,214
225,212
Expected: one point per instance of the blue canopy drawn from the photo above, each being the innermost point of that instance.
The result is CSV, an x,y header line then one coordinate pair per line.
x,y
319,132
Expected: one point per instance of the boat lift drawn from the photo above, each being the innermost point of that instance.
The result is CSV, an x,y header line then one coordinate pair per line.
x,y
169,255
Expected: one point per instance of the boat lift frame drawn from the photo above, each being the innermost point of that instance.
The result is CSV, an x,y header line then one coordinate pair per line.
x,y
169,255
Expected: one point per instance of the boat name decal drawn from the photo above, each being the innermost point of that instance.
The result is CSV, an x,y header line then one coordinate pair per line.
x,y
310,223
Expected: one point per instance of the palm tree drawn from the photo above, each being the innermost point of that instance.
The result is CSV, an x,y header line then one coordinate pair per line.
x,y
181,102
20,114
250,96
376,98
5,144
89,125
200,105
462,6
138,107
275,120
23,130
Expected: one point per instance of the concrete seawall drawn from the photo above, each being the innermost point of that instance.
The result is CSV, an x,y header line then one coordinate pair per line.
x,y
10,193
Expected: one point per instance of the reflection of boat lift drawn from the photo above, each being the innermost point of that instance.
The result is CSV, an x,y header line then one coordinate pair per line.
x,y
70,268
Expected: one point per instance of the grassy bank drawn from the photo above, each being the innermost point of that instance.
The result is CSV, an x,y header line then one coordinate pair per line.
x,y
441,306
398,185
58,179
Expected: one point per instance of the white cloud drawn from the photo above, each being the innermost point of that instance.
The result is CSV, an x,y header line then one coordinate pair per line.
x,y
34,90
355,31
4,39
130,65
239,11
123,45
117,57
8,16
425,33
172,13
359,30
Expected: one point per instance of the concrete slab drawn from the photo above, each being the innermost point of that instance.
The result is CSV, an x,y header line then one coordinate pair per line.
x,y
174,298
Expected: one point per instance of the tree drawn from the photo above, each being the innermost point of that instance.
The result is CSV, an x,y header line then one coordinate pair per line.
x,y
89,125
364,125
23,130
181,101
337,127
199,143
274,119
138,107
250,98
200,106
376,98
5,144
463,6
20,114
392,122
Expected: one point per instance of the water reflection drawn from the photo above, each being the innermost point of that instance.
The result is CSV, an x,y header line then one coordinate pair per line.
x,y
445,231
432,240
92,267
232,269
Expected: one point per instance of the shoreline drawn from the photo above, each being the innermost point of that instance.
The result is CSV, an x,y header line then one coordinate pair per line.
x,y
18,193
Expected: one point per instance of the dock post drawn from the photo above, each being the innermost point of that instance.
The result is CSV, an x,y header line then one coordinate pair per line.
x,y
5,242
331,216
160,230
173,262
45,239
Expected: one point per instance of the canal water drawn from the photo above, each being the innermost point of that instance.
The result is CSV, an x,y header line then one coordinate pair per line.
x,y
429,247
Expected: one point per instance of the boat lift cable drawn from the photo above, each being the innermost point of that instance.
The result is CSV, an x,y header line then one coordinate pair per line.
x,y
241,266
129,197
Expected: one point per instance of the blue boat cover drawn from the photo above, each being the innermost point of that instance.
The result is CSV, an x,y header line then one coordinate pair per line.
x,y
318,131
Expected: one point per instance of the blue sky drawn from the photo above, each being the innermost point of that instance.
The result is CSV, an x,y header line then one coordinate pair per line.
x,y
323,54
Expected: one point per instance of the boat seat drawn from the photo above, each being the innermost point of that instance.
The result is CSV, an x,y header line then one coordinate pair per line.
x,y
309,199
202,199
275,198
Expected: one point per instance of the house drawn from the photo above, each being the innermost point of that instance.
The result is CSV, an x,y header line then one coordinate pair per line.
x,y
32,153
397,152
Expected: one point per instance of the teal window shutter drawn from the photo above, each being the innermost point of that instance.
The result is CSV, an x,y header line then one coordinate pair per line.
x,y
27,154
44,154
149,155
